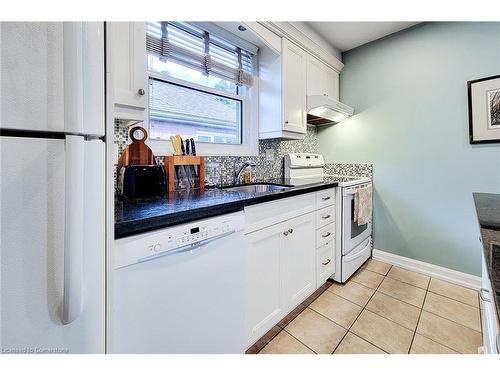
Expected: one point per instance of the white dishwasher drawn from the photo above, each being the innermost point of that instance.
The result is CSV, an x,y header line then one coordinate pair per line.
x,y
180,289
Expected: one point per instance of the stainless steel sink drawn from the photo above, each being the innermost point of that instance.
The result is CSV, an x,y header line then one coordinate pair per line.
x,y
257,188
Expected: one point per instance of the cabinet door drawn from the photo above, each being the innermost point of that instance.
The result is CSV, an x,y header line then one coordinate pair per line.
x,y
314,76
263,280
127,46
294,88
330,82
321,79
298,258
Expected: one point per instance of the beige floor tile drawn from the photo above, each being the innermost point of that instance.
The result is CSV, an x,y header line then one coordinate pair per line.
x,y
423,345
377,266
317,332
352,344
451,334
395,310
368,278
403,291
336,308
455,292
410,277
383,333
284,343
453,310
352,291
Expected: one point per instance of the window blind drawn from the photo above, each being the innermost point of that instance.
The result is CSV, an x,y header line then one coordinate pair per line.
x,y
191,46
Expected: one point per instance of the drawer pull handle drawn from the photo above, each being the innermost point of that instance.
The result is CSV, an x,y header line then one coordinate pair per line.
x,y
285,233
326,217
325,198
327,261
485,299
290,230
327,234
141,92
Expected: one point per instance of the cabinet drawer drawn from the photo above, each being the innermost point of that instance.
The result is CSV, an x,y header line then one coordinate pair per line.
x,y
325,266
325,198
325,234
325,216
265,214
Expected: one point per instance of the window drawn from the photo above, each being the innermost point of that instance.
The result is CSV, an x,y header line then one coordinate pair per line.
x,y
200,84
203,116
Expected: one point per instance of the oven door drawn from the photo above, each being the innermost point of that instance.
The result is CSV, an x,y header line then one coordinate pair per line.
x,y
352,233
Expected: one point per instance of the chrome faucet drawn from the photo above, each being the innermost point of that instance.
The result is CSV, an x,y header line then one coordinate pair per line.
x,y
237,174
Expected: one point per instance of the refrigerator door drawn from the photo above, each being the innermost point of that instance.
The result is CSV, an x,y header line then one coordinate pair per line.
x,y
52,76
32,222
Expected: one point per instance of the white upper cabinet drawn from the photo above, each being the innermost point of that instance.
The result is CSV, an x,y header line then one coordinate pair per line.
x,y
127,62
321,79
294,88
282,92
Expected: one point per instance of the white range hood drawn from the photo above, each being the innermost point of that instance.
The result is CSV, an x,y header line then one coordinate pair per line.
x,y
324,110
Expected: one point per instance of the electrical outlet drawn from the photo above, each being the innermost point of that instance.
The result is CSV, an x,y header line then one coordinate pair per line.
x,y
269,154
116,152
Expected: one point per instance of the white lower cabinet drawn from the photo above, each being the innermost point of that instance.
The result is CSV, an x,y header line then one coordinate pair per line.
x,y
490,325
281,272
285,261
263,280
297,260
325,264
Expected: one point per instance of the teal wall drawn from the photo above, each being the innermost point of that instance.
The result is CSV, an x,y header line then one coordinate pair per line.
x,y
410,99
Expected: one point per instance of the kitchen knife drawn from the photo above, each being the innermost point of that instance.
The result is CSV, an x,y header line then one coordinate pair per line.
x,y
193,152
185,173
182,146
192,169
178,141
174,144
193,148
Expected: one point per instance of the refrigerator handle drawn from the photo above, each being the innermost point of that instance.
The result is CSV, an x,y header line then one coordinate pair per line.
x,y
73,231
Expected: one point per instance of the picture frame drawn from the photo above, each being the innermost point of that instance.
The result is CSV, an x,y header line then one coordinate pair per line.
x,y
484,110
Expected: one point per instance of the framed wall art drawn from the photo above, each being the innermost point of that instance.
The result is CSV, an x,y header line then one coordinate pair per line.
x,y
484,110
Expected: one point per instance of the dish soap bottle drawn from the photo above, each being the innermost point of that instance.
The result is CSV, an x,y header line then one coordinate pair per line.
x,y
247,176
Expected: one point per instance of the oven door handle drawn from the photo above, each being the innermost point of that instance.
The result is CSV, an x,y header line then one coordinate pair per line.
x,y
352,190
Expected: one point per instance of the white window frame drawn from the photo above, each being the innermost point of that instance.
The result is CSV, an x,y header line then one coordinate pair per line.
x,y
250,123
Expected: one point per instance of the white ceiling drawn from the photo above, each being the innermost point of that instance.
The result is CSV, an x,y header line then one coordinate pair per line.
x,y
348,35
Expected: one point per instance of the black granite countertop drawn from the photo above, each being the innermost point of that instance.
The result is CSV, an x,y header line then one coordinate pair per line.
x,y
133,216
488,213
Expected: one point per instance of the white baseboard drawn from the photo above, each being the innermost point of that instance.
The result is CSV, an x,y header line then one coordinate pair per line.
x,y
446,274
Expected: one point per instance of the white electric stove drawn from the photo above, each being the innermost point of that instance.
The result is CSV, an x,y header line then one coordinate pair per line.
x,y
354,244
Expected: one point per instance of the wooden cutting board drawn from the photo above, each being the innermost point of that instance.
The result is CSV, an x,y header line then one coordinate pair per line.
x,y
137,153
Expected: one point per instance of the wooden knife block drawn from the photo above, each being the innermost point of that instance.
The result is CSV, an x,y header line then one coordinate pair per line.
x,y
186,160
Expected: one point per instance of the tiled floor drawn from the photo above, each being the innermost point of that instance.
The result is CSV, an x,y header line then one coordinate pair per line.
x,y
381,309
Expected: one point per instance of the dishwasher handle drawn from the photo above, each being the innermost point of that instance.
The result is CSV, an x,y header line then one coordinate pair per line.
x,y
191,247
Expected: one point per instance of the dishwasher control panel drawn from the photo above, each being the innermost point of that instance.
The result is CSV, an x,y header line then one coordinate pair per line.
x,y
142,247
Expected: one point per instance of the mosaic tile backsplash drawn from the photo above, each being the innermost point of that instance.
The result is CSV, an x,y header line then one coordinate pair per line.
x,y
220,169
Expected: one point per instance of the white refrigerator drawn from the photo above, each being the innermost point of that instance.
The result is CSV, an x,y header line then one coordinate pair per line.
x,y
52,187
